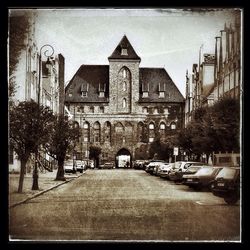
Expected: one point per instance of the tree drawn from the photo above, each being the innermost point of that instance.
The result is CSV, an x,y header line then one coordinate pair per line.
x,y
19,23
94,153
214,128
29,126
62,139
225,116
159,149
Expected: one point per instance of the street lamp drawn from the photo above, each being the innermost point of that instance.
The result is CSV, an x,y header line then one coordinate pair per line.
x,y
48,52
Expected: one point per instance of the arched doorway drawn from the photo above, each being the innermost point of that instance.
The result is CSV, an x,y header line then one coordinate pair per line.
x,y
123,159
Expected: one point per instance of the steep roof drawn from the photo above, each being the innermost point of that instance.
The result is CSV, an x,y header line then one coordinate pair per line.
x,y
124,44
88,78
154,80
92,78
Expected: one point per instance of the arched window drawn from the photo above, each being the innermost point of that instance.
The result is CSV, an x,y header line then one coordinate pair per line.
x,y
107,131
173,125
119,133
151,126
145,110
162,126
124,103
140,131
129,132
162,129
151,135
156,111
86,132
97,132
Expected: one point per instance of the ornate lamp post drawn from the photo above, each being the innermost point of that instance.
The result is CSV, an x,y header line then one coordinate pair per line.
x,y
48,52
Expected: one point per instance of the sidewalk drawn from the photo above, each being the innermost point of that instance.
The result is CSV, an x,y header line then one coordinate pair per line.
x,y
46,182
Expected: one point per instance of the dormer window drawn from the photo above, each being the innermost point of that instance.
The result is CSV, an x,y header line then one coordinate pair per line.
x,y
145,90
101,90
84,89
161,90
124,52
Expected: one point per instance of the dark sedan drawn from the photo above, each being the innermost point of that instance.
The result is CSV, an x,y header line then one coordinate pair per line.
x,y
227,185
204,177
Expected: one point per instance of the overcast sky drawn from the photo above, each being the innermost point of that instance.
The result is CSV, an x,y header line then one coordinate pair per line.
x,y
161,37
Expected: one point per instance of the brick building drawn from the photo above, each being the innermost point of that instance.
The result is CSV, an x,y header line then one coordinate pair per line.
x,y
121,107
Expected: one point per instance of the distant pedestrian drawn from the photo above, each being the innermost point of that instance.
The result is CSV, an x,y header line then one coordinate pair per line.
x,y
127,164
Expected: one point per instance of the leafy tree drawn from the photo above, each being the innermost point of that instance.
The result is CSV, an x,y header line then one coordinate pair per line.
x,y
29,126
62,139
19,23
214,128
159,149
141,153
94,153
225,116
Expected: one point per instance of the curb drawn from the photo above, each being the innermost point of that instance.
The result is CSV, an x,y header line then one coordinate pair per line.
x,y
44,191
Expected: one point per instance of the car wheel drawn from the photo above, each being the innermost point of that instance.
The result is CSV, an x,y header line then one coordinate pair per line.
x,y
231,200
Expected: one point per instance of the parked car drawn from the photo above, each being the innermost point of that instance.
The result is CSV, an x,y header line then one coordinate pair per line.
x,y
150,167
165,170
107,165
80,166
227,184
69,166
204,177
158,167
138,164
180,167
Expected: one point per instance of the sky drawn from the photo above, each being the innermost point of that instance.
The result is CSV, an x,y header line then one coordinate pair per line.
x,y
163,38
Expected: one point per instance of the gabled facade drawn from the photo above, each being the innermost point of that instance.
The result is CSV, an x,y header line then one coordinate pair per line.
x,y
121,106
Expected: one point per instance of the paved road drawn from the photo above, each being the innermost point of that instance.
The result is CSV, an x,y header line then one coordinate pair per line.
x,y
125,204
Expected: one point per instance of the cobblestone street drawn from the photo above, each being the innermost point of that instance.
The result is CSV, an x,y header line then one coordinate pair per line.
x,y
125,204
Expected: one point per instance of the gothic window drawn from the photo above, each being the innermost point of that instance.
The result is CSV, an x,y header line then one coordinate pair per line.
x,y
97,132
140,131
86,132
119,133
151,132
173,125
129,132
107,131
162,129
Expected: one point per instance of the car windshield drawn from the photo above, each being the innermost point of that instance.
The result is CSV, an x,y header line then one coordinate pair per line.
x,y
205,171
193,169
227,173
69,162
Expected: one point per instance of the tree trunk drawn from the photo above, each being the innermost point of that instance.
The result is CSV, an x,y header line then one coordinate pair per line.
x,y
35,176
60,171
21,178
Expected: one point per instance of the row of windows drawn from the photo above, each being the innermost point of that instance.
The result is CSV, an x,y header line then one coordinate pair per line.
x,y
120,130
100,109
155,110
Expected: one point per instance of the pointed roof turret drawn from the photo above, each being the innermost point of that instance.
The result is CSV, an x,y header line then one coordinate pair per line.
x,y
124,50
